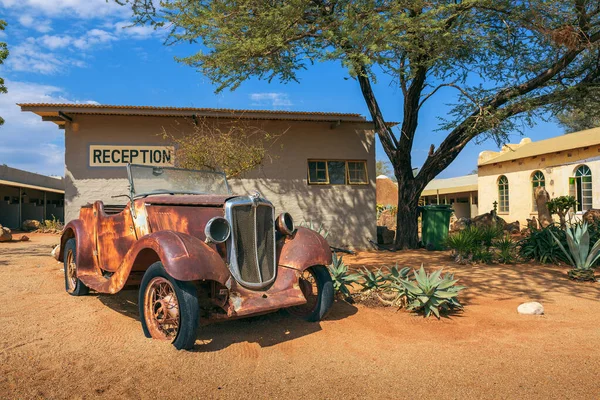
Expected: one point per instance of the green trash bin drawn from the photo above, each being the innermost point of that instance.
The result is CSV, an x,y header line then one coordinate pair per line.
x,y
435,221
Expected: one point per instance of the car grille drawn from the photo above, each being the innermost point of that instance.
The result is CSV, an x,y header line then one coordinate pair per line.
x,y
252,245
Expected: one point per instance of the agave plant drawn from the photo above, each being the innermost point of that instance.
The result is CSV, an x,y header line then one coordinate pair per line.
x,y
319,228
340,276
431,293
581,257
372,280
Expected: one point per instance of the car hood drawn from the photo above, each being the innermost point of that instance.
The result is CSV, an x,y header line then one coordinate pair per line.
x,y
189,199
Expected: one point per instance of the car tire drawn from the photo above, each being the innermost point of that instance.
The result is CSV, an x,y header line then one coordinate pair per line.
x,y
73,285
187,305
324,296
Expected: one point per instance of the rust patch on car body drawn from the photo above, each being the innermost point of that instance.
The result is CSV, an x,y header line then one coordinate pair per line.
x,y
304,249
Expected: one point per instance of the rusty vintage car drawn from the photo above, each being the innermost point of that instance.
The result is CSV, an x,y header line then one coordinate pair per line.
x,y
198,254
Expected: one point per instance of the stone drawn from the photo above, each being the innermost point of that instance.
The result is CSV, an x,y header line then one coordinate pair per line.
x,y
55,250
461,224
24,238
487,220
5,234
592,216
541,200
531,308
31,225
387,218
513,228
385,235
532,223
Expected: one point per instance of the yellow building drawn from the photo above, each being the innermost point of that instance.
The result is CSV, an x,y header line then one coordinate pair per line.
x,y
565,165
461,192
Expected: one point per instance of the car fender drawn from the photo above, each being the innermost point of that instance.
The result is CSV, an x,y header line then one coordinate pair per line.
x,y
304,249
85,245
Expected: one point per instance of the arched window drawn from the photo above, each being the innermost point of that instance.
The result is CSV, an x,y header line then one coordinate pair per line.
x,y
537,180
503,205
580,187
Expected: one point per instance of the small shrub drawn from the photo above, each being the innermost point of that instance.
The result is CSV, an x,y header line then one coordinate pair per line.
x,y
541,246
381,208
342,279
560,206
432,294
507,249
51,225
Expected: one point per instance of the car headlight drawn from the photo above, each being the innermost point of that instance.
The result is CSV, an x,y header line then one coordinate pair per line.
x,y
217,230
285,224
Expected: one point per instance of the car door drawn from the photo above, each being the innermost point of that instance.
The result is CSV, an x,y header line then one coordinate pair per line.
x,y
115,234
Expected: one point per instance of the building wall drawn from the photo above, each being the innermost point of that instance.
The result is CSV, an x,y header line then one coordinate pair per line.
x,y
557,169
348,211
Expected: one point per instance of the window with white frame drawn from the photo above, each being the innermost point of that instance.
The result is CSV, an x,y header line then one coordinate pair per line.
x,y
503,201
580,187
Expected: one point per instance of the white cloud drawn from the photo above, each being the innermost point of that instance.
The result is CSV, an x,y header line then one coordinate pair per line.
x,y
28,21
124,28
72,8
27,142
271,99
28,57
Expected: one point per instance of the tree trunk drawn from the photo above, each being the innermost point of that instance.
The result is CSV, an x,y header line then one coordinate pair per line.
x,y
407,228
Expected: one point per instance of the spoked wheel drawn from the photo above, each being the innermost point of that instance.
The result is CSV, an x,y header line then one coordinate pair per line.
x,y
161,309
168,308
317,287
73,285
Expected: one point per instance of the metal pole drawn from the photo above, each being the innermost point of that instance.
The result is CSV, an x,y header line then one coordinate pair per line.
x,y
20,206
45,217
470,204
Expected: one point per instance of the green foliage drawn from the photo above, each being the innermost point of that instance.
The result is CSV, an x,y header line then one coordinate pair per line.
x,y
581,116
3,56
507,249
341,277
473,243
319,228
541,246
580,255
51,225
381,208
372,280
560,206
431,293
384,168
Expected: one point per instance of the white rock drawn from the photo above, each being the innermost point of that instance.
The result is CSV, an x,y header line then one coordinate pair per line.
x,y
54,250
531,308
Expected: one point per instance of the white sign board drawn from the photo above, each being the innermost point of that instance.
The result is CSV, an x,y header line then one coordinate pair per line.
x,y
117,156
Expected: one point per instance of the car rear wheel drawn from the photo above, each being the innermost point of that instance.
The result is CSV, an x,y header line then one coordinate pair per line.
x,y
168,308
317,287
73,285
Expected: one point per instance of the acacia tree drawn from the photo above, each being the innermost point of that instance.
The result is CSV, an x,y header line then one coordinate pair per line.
x,y
581,117
507,61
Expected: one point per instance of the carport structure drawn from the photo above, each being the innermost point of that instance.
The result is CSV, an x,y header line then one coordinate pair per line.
x,y
26,195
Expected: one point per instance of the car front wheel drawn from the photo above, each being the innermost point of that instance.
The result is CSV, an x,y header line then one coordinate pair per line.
x,y
73,285
317,287
168,308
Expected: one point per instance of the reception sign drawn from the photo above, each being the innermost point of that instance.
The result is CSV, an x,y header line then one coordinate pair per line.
x,y
118,156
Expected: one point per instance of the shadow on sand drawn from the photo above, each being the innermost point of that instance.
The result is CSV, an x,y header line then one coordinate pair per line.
x,y
265,330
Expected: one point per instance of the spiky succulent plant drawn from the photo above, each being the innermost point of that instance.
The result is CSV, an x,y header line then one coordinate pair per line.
x,y
342,279
431,293
581,257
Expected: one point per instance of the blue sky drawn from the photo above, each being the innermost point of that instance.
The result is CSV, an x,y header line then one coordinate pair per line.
x,y
78,51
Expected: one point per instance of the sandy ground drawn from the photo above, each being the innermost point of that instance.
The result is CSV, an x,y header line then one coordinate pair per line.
x,y
57,346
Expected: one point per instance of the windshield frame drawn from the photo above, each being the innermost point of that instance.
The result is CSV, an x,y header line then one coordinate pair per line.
x,y
133,195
